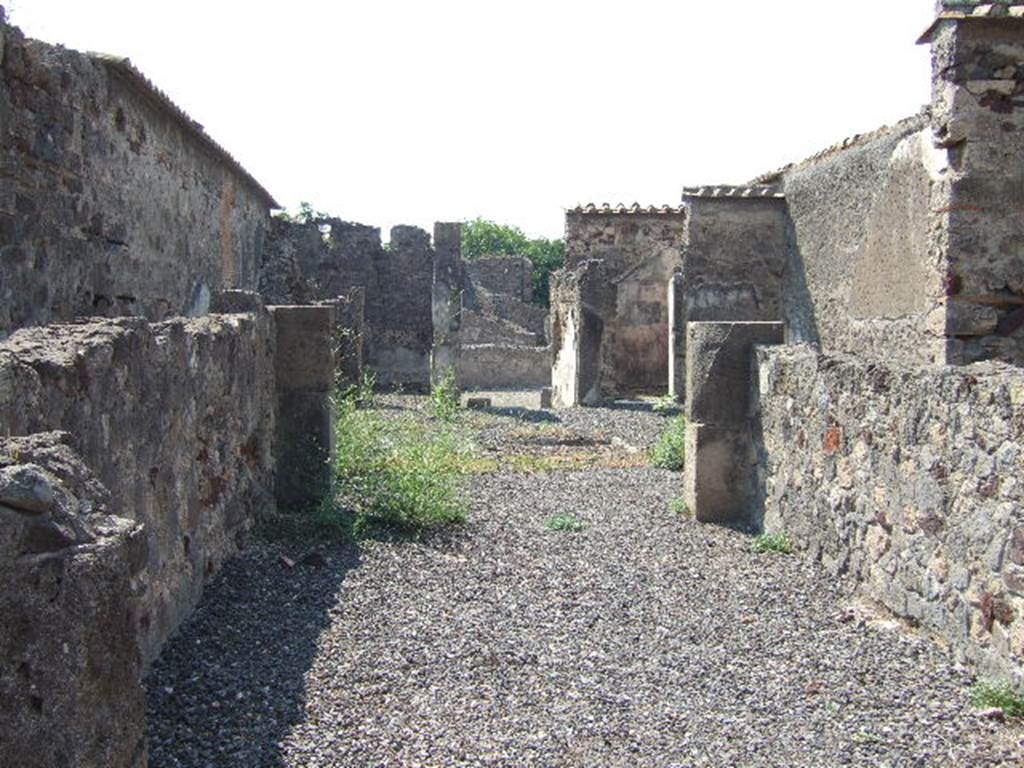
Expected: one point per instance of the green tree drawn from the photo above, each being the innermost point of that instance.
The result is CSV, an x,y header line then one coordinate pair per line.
x,y
481,237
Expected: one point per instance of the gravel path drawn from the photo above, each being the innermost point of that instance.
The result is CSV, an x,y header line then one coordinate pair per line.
x,y
643,639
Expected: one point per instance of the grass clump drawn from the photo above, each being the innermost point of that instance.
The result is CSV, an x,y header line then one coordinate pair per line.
x,y
564,523
680,507
1000,696
403,472
773,542
445,399
669,452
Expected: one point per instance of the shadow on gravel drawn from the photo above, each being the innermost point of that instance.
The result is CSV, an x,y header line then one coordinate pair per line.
x,y
530,415
228,688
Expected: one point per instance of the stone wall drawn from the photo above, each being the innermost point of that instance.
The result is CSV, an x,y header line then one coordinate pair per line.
x,y
910,480
978,121
640,249
70,669
114,202
177,421
735,255
504,366
327,258
508,275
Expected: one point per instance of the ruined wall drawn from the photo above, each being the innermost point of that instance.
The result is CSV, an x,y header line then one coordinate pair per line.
x,y
114,202
866,271
978,120
70,670
329,257
581,299
641,249
508,275
177,421
909,479
735,255
504,366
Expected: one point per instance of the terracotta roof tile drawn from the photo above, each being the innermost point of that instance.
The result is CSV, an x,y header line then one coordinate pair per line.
x,y
623,210
754,191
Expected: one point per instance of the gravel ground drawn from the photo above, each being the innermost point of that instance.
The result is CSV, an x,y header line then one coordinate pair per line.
x,y
643,639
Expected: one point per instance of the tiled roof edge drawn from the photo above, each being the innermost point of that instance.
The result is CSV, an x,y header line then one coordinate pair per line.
x,y
915,122
635,209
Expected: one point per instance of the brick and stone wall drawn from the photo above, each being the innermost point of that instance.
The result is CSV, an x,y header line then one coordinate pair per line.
x,y
177,421
113,202
978,121
909,479
640,250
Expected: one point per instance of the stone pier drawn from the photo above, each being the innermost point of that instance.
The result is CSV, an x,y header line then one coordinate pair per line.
x,y
721,466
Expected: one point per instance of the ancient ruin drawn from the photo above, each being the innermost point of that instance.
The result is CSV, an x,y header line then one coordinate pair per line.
x,y
846,336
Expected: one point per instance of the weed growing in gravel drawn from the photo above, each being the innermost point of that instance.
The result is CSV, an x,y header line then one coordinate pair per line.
x,y
669,452
402,472
361,393
773,542
564,523
1001,696
445,401
665,404
680,507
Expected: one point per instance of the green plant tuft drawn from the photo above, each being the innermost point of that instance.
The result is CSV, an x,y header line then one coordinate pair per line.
x,y
564,523
445,402
665,404
1001,696
680,507
773,542
669,452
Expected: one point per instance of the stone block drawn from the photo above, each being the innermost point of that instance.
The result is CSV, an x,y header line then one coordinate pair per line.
x,y
718,367
304,448
718,477
233,302
478,403
305,358
546,397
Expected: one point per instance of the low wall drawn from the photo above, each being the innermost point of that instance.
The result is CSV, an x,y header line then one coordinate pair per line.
x,y
70,670
909,479
177,421
504,366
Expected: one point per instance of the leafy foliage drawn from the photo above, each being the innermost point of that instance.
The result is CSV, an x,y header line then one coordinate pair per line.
x,y
997,695
773,542
445,402
481,237
669,452
680,507
564,523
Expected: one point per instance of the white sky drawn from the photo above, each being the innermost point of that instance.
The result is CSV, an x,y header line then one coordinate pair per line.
x,y
411,111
